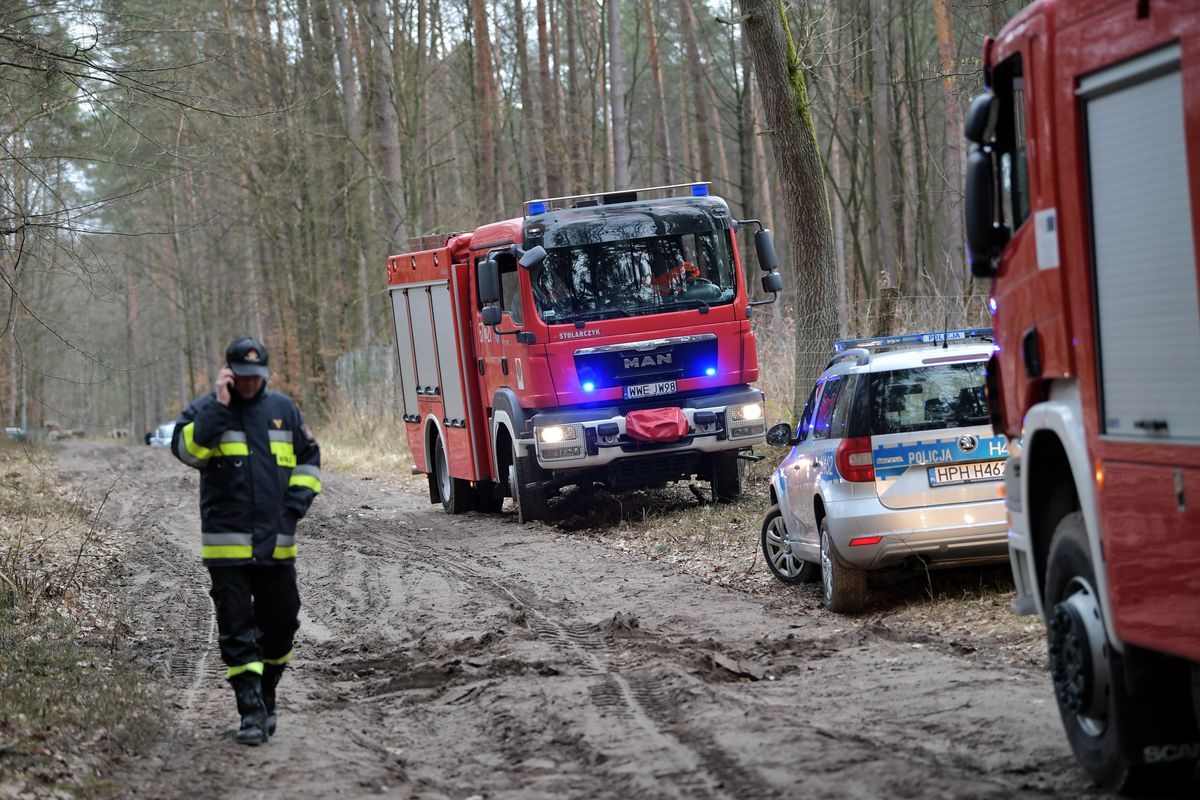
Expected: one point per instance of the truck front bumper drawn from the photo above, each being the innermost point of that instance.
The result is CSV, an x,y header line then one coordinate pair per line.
x,y
597,438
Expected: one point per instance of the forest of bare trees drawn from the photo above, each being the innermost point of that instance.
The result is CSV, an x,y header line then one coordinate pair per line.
x,y
177,172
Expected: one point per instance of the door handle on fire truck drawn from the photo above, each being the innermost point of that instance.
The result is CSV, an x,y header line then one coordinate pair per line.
x,y
1151,425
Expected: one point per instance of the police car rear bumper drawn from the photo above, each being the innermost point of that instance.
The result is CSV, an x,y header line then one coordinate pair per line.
x,y
597,437
957,534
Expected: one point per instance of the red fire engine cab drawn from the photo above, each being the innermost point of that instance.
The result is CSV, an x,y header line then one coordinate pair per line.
x,y
600,338
1082,190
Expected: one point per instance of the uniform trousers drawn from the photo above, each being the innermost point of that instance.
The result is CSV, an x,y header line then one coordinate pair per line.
x,y
258,608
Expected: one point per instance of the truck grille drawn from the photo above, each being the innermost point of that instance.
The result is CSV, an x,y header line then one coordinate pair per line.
x,y
667,359
625,473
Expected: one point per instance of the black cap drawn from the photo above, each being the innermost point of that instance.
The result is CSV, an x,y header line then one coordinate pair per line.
x,y
246,356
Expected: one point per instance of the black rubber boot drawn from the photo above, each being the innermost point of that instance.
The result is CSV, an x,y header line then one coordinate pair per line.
x,y
270,679
248,689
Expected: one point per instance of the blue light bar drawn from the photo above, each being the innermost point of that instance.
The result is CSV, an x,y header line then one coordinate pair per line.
x,y
699,190
914,339
537,207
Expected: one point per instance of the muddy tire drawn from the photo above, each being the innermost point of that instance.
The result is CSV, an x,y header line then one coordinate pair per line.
x,y
1112,731
844,589
530,503
456,495
727,473
785,566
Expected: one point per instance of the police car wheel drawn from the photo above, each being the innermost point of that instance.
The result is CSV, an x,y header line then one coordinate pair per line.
x,y
844,588
777,552
1105,722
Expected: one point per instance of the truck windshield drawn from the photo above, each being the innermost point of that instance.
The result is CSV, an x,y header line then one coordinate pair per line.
x,y
635,277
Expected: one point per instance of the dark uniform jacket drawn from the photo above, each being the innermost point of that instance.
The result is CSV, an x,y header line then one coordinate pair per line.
x,y
260,469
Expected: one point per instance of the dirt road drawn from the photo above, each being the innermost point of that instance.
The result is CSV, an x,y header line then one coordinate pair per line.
x,y
469,656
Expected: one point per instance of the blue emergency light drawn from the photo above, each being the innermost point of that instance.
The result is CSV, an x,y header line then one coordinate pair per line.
x,y
588,386
699,190
537,207
912,339
710,371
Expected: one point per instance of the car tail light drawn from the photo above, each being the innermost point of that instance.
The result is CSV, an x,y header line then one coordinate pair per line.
x,y
855,462
864,540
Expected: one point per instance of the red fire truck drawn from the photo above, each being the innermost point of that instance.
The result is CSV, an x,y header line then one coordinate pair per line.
x,y
601,338
1082,190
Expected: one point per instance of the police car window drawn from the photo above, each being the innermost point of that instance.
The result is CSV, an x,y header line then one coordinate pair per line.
x,y
806,417
927,398
849,410
824,418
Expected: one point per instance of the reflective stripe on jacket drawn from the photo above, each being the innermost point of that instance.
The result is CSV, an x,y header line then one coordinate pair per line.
x,y
259,468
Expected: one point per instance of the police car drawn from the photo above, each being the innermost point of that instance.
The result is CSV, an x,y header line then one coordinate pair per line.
x,y
894,463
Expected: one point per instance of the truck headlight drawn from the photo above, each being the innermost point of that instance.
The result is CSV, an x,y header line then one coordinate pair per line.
x,y
747,412
553,434
745,420
559,443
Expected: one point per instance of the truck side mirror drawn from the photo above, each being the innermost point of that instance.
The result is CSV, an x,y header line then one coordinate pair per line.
x,y
489,281
981,117
985,238
533,257
772,282
764,243
492,315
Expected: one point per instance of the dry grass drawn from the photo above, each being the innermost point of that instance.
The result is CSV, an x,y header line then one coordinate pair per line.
x,y
356,443
72,703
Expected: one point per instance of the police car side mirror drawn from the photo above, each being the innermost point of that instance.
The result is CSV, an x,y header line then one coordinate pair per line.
x,y
780,435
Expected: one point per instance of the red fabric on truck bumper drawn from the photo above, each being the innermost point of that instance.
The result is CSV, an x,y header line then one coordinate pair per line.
x,y
656,425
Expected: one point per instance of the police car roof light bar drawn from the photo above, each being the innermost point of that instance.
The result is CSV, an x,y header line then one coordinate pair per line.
x,y
541,205
915,339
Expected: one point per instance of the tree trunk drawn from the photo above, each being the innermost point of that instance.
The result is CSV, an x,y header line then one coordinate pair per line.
x,y
616,97
695,77
387,130
665,157
785,97
954,259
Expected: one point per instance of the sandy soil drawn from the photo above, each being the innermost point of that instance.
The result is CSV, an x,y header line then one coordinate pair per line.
x,y
471,657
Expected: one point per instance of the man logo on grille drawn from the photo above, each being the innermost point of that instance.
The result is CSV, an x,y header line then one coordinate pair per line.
x,y
968,443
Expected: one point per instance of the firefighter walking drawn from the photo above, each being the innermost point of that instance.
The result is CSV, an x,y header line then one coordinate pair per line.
x,y
260,468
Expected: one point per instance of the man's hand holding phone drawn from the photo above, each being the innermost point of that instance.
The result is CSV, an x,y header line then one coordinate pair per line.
x,y
224,385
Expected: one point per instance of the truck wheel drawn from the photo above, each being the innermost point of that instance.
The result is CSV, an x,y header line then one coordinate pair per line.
x,y
1125,743
845,589
783,564
727,472
456,494
530,503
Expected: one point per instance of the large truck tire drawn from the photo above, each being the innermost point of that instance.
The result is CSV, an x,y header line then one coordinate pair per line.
x,y
1131,734
844,589
727,473
530,503
456,495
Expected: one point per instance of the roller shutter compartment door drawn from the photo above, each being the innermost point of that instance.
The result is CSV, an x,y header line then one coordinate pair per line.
x,y
1148,311
404,351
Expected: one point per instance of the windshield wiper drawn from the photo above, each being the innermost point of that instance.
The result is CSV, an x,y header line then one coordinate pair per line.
x,y
600,313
